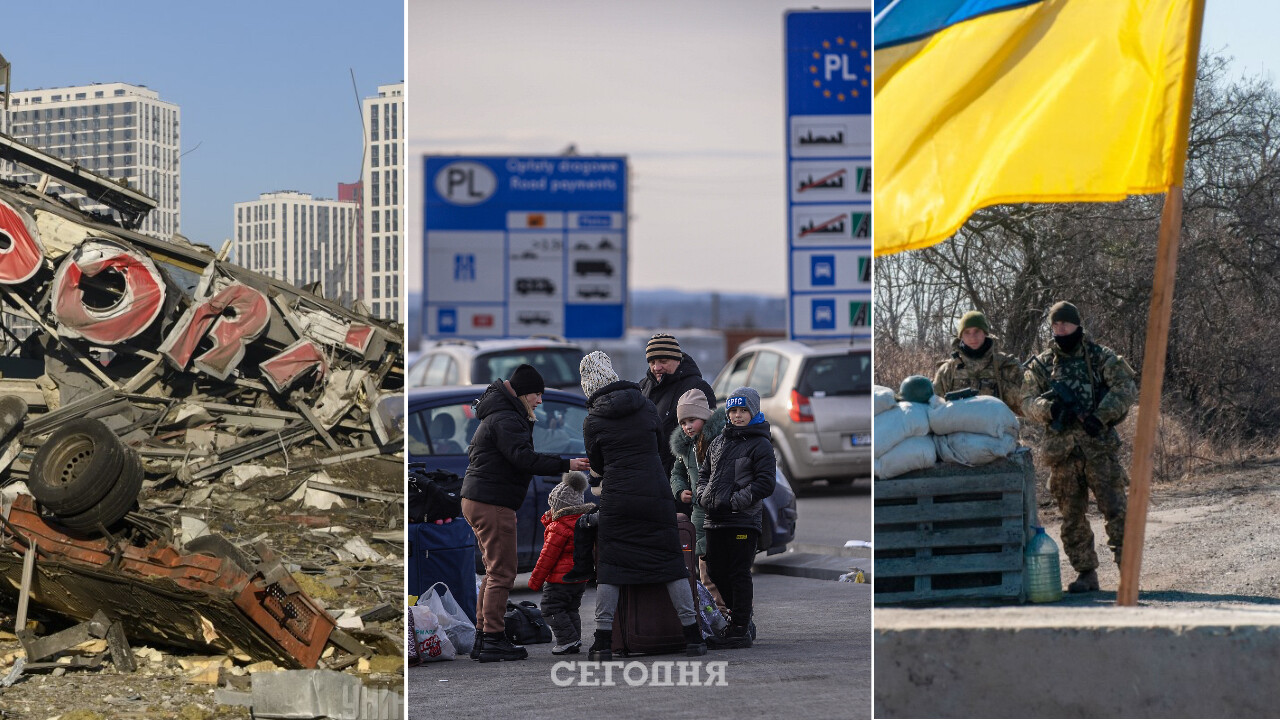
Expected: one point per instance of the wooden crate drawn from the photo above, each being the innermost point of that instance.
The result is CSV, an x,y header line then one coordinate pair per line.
x,y
953,532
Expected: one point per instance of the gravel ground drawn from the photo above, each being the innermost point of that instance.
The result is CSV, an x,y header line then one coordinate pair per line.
x,y
1210,540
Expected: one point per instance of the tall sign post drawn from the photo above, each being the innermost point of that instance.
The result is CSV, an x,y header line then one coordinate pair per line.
x,y
828,78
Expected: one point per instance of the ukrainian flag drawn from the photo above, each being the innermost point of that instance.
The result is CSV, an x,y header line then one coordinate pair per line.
x,y
982,102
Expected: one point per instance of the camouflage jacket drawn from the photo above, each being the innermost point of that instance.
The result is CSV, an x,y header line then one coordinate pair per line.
x,y
1101,380
995,373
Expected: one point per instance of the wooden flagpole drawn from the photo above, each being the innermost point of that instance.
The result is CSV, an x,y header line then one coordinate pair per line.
x,y
1158,320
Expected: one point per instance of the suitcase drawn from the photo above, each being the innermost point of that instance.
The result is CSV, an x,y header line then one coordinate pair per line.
x,y
646,621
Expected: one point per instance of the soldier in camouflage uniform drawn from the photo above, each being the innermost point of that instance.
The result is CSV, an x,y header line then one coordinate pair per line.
x,y
976,363
1080,440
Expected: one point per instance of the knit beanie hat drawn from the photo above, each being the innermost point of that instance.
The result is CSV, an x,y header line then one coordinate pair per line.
x,y
662,347
973,318
693,404
1064,312
596,370
526,379
569,492
744,397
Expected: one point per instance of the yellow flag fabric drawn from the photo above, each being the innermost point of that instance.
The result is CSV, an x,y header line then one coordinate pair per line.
x,y
1053,101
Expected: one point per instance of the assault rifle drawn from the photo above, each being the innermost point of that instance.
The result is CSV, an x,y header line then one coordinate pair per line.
x,y
1070,408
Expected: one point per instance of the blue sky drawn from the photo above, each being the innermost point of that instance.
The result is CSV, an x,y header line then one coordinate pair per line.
x,y
264,87
1245,30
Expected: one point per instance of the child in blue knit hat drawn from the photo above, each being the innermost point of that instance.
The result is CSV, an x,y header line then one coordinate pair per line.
x,y
732,493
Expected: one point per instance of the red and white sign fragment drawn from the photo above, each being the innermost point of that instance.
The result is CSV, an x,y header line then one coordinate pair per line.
x,y
132,292
294,362
20,251
231,319
358,337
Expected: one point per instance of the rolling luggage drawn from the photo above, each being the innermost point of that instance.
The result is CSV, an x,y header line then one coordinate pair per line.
x,y
646,621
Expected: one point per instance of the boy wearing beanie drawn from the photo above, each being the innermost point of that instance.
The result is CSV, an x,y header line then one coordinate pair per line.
x,y
561,598
732,486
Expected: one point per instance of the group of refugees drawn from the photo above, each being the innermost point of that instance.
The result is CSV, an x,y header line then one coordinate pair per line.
x,y
1079,390
653,448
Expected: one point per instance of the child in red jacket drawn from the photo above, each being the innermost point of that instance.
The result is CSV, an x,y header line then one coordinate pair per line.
x,y
560,599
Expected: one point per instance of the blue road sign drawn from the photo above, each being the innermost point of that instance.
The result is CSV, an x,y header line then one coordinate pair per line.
x,y
828,76
522,245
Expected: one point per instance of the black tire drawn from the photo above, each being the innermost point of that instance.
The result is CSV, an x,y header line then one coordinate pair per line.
x,y
220,547
76,467
119,500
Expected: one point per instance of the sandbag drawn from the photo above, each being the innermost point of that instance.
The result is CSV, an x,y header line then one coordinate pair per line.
x,y
983,414
914,453
882,398
974,448
904,420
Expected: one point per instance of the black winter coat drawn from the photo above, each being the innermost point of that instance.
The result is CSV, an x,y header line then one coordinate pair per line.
x,y
502,458
736,478
665,396
639,542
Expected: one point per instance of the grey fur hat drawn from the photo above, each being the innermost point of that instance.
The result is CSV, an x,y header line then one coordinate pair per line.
x,y
597,371
569,492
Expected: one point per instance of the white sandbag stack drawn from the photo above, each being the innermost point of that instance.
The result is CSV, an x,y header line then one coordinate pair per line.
x,y
973,431
901,431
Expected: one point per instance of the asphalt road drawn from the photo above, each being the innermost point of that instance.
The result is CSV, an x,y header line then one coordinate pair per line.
x,y
812,659
829,516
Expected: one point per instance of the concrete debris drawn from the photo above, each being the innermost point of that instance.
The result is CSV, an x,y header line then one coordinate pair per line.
x,y
358,547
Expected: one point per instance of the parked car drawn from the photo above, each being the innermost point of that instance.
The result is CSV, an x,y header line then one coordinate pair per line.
x,y
480,362
442,422
817,399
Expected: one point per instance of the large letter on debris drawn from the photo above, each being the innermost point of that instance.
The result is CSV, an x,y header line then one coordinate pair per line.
x,y
128,288
20,250
292,363
232,318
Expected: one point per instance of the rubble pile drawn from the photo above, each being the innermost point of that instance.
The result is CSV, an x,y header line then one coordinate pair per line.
x,y
234,406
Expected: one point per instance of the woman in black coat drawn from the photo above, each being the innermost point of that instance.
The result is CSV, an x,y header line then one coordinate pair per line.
x,y
638,539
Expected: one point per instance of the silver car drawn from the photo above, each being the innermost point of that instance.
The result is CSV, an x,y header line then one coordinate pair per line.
x,y
480,362
817,399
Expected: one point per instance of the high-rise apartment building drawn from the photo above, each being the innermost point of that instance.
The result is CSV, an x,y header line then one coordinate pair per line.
x,y
120,131
380,282
294,237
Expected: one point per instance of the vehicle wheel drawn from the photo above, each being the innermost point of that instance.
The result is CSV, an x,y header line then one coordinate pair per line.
x,y
76,467
782,465
220,547
118,501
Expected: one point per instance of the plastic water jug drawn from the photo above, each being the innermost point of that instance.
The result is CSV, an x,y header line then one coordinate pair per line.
x,y
1043,576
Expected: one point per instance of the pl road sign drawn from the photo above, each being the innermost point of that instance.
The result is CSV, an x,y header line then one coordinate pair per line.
x,y
523,245
828,74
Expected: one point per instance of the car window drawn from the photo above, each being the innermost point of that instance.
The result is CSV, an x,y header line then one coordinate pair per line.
x,y
451,373
764,375
558,366
436,370
559,428
735,378
444,430
836,375
418,370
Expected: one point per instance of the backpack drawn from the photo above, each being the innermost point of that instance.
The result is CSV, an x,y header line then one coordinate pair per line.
x,y
525,625
433,495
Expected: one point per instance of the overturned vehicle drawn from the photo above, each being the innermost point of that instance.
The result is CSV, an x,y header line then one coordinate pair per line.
x,y
132,365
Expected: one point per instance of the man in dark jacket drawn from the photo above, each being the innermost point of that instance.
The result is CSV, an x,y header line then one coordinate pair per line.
x,y
502,462
639,541
732,486
672,373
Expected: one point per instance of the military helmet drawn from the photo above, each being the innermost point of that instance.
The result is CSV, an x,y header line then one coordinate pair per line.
x,y
916,388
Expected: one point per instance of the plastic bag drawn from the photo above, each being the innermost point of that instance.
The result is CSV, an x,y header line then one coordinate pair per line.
x,y
455,623
882,398
912,454
983,414
710,620
974,448
412,643
904,420
433,643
